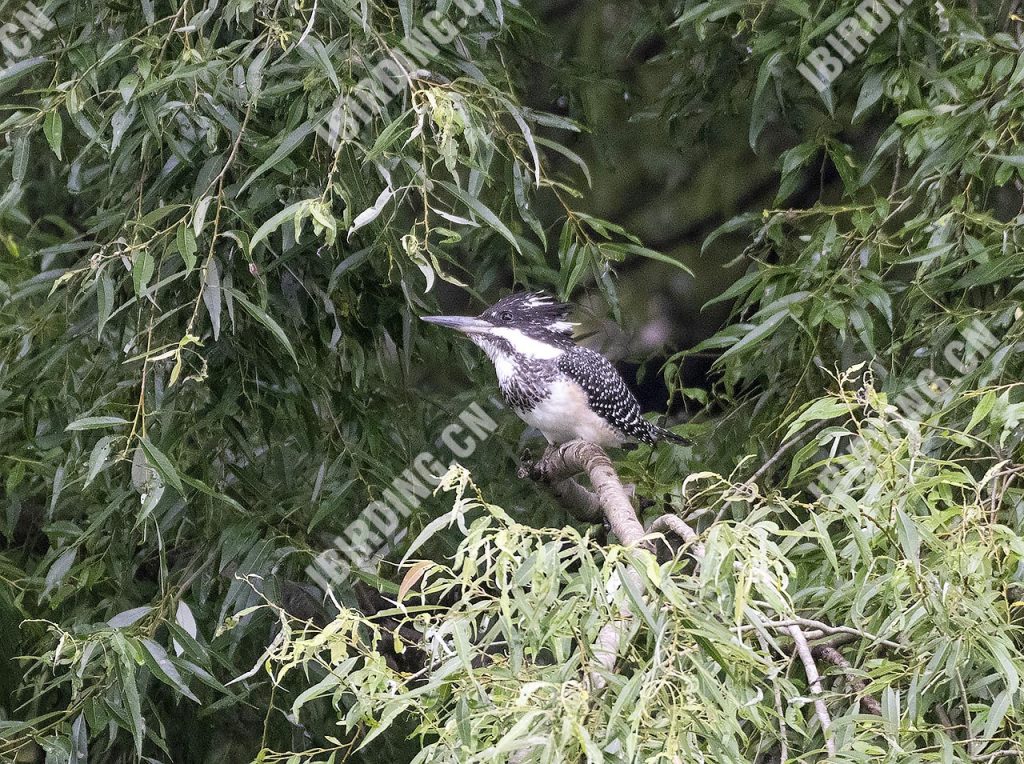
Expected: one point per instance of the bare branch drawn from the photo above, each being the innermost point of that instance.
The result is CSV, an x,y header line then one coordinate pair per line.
x,y
679,527
609,500
826,629
814,683
868,704
561,462
800,436
779,709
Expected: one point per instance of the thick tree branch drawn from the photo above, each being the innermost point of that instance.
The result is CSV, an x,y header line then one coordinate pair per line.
x,y
676,525
609,500
583,503
822,629
814,683
829,654
561,462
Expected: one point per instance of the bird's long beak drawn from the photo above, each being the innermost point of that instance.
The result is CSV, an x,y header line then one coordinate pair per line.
x,y
464,324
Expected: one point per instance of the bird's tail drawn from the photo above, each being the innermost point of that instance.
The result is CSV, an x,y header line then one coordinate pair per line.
x,y
663,434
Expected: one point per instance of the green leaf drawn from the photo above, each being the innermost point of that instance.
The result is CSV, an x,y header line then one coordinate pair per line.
x,y
295,210
10,74
95,423
870,92
58,570
53,129
756,333
371,213
260,315
981,411
291,142
142,271
405,11
651,254
185,241
1017,160
483,211
821,409
98,457
158,662
737,223
128,691
104,302
127,617
162,465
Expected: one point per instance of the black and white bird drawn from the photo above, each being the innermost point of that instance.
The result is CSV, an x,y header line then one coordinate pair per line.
x,y
566,391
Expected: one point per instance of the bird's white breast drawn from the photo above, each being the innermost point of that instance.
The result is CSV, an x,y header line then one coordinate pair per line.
x,y
565,415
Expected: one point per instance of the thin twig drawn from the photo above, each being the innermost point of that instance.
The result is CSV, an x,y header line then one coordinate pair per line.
x,y
777,693
800,436
990,757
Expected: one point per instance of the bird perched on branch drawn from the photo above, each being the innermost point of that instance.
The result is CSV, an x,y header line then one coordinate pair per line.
x,y
566,391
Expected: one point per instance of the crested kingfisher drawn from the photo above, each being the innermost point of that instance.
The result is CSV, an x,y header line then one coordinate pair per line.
x,y
566,391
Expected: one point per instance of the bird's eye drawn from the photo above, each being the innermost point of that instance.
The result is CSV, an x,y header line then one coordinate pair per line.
x,y
505,316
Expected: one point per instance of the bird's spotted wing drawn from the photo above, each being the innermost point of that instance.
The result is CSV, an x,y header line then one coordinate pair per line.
x,y
606,392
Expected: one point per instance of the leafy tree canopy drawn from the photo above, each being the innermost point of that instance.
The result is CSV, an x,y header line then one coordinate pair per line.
x,y
211,363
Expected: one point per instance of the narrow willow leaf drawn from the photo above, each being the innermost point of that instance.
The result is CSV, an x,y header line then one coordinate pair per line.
x,y
756,333
414,574
483,211
260,315
823,408
142,271
651,254
95,423
128,617
58,570
1016,160
98,457
371,213
524,128
184,617
19,162
9,75
982,410
275,222
212,295
405,10
254,74
53,129
79,741
160,664
870,93
127,690
185,241
286,147
104,302
162,465
199,218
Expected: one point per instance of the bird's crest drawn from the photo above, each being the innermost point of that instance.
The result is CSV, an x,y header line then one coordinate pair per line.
x,y
531,310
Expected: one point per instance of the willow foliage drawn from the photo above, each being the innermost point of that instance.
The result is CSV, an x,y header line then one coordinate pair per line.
x,y
210,362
